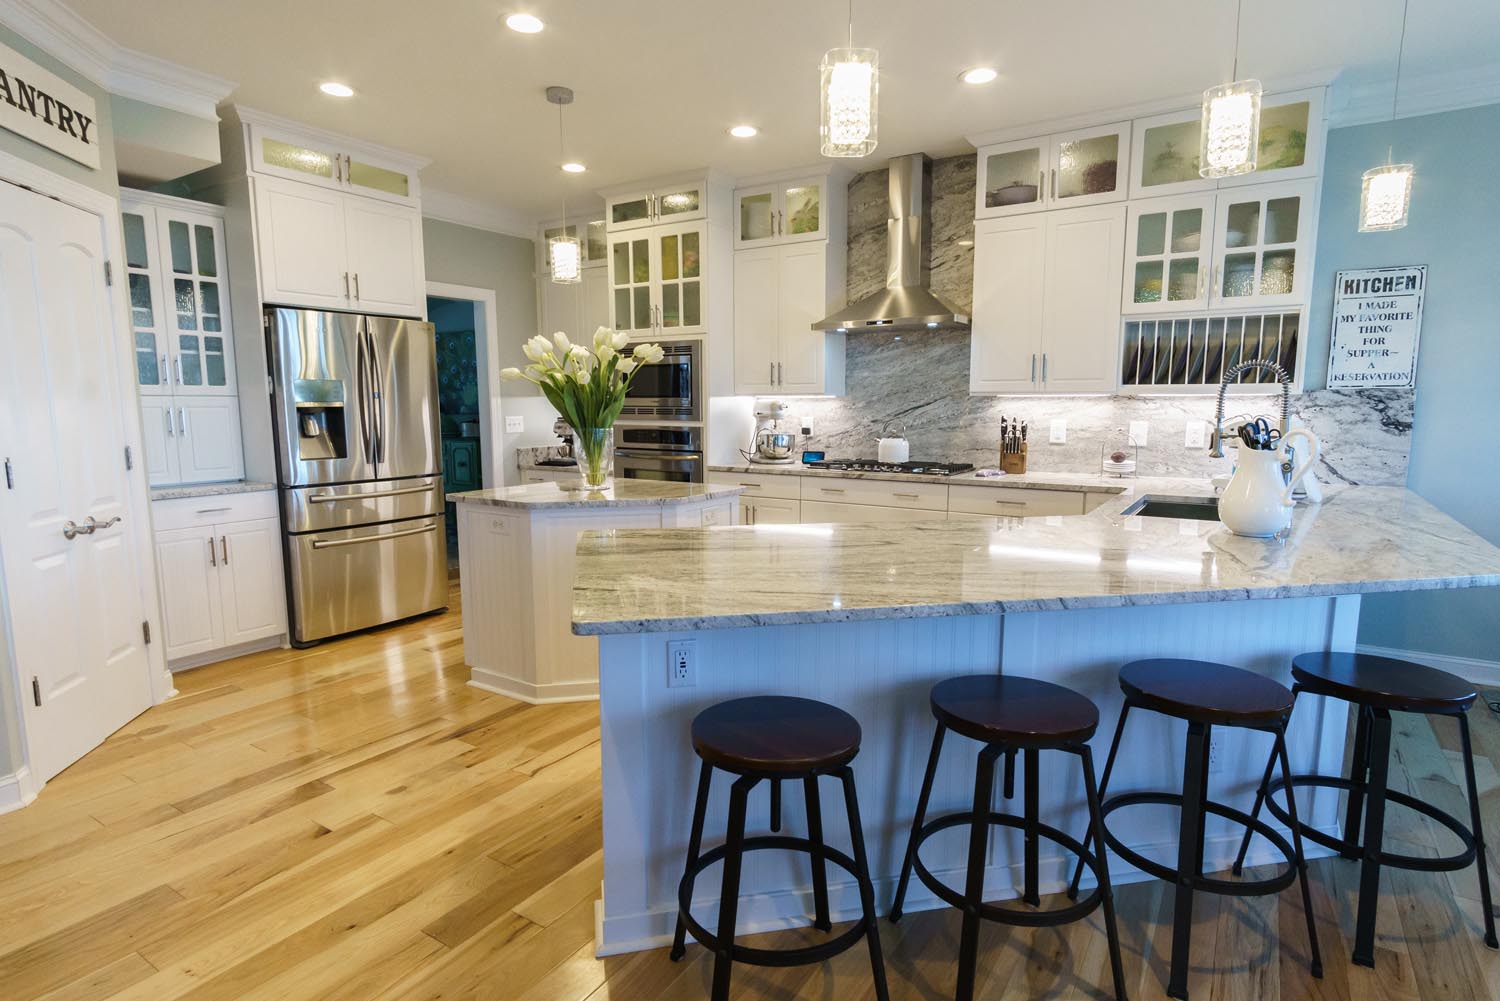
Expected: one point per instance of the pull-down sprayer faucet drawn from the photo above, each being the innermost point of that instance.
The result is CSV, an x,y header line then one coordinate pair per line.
x,y
1216,442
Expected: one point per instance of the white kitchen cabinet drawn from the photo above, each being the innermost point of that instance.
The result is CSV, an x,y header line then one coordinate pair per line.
x,y
839,513
1169,254
159,439
920,496
1013,502
327,249
208,439
219,573
1263,244
769,511
657,280
792,211
560,474
1066,170
327,161
591,234
779,293
576,308
668,202
1047,302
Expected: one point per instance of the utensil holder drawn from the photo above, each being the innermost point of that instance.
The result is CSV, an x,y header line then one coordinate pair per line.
x,y
1013,462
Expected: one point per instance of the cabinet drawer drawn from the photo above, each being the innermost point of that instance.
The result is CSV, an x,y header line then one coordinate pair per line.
x,y
822,512
1023,503
761,484
192,512
916,496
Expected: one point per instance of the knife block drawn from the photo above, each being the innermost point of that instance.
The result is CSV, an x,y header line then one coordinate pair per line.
x,y
1013,462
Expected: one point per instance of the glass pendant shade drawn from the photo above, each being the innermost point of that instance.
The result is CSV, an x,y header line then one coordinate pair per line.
x,y
851,86
1385,198
1230,130
565,254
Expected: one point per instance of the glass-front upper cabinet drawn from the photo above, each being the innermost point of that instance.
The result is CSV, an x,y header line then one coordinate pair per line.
x,y
322,161
667,203
788,212
1262,240
1164,159
197,319
147,331
1012,178
590,236
680,253
1168,254
631,281
1085,167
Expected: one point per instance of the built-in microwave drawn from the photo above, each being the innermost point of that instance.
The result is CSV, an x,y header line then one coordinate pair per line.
x,y
671,389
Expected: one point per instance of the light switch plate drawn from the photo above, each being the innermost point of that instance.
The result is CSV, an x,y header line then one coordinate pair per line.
x,y
1059,432
1140,431
515,425
1195,436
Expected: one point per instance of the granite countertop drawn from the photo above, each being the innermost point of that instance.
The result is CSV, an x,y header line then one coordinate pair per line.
x,y
210,489
1080,482
1359,540
620,493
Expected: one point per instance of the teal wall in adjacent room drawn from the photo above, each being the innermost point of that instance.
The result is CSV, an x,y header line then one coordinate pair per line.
x,y
1455,231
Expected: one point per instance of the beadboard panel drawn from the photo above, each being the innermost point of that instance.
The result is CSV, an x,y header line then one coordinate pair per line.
x,y
881,672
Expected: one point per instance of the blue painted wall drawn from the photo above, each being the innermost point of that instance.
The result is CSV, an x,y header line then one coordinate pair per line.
x,y
1455,231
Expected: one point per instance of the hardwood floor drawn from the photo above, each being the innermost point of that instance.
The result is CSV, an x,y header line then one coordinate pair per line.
x,y
353,822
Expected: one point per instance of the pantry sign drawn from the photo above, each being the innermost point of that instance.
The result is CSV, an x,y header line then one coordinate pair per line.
x,y
1377,322
46,109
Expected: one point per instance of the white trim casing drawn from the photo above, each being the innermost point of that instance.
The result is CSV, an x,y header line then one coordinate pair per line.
x,y
16,790
486,347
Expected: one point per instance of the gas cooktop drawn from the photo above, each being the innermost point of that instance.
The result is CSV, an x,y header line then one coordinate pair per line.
x,y
876,466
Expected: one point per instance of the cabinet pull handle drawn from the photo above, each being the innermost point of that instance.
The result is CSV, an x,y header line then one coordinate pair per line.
x,y
166,372
1054,183
338,168
832,490
224,544
1033,367
912,496
182,420
167,413
356,285
780,379
179,371
1044,368
346,284
213,554
211,510
771,368
751,486
1008,503
1041,185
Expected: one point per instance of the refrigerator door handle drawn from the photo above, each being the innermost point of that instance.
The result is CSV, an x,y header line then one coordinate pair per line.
x,y
361,391
377,403
362,539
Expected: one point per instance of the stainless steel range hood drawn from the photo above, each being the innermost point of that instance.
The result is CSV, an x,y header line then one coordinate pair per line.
x,y
906,303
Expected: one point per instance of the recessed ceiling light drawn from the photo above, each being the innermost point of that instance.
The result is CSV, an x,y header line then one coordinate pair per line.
x,y
526,24
979,74
744,131
335,89
574,168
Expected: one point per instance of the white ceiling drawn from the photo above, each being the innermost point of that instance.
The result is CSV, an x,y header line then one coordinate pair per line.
x,y
659,82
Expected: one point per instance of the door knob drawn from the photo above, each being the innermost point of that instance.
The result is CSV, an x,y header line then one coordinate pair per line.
x,y
91,526
71,530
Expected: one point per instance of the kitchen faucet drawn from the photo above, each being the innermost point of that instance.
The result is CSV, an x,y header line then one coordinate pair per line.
x,y
1216,442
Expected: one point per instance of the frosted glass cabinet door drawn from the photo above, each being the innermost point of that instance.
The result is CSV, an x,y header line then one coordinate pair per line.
x,y
802,211
631,280
198,333
1012,178
679,250
148,329
1261,239
1168,254
754,217
1089,166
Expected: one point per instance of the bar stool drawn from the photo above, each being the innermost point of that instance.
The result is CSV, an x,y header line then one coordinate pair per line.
x,y
1010,715
775,738
1378,686
1205,695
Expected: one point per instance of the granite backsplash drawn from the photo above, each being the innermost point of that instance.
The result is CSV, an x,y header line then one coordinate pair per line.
x,y
922,379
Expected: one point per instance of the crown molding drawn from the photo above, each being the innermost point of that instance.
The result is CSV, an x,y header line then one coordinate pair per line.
x,y
123,72
460,211
345,144
1423,94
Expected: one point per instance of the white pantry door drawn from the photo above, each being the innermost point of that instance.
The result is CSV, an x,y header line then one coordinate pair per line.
x,y
75,606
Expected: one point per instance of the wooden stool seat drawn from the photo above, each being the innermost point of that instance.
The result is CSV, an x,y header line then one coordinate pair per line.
x,y
1383,683
1023,712
774,735
1204,692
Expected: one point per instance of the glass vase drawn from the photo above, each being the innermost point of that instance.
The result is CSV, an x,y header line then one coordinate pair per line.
x,y
595,452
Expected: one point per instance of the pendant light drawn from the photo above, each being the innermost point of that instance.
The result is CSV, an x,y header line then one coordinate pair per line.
x,y
1230,130
850,88
564,252
1385,192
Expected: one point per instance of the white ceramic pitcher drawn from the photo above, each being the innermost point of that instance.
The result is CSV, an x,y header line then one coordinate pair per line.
x,y
1257,502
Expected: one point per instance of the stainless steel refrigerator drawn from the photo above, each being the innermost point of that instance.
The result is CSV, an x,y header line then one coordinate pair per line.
x,y
355,407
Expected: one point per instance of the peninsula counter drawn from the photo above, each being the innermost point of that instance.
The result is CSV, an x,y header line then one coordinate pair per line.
x,y
869,617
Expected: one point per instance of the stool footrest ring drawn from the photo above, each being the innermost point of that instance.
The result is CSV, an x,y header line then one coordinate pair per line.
x,y
1446,863
994,912
769,957
1227,887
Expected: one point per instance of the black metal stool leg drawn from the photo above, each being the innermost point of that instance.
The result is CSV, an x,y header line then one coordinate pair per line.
x,y
1359,774
1301,859
979,830
729,893
775,806
1189,855
1479,849
866,888
1032,846
916,823
1261,792
1374,834
1009,787
1109,764
695,844
819,869
1096,826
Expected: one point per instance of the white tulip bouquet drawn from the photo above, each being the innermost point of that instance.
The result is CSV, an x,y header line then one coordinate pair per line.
x,y
587,387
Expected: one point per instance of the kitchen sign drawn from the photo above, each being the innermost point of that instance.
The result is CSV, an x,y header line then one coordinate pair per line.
x,y
47,109
1377,322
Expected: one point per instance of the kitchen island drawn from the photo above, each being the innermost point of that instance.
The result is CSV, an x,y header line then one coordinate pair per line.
x,y
869,617
516,551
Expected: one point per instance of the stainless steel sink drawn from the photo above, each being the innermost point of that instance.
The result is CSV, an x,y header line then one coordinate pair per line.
x,y
1195,508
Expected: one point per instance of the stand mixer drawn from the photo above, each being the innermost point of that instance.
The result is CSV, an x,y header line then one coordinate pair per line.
x,y
768,442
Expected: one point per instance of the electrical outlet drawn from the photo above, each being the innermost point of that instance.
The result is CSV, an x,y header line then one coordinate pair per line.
x,y
807,428
515,425
1140,431
682,664
1215,751
1059,432
1195,435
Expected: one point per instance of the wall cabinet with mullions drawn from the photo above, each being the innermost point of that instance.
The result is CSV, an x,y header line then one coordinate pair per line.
x,y
656,280
177,280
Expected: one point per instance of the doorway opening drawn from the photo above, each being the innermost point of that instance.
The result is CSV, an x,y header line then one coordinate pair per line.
x,y
460,390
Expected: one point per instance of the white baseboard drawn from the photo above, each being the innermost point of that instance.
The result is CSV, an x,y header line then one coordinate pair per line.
x,y
1481,672
227,653
513,688
16,790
